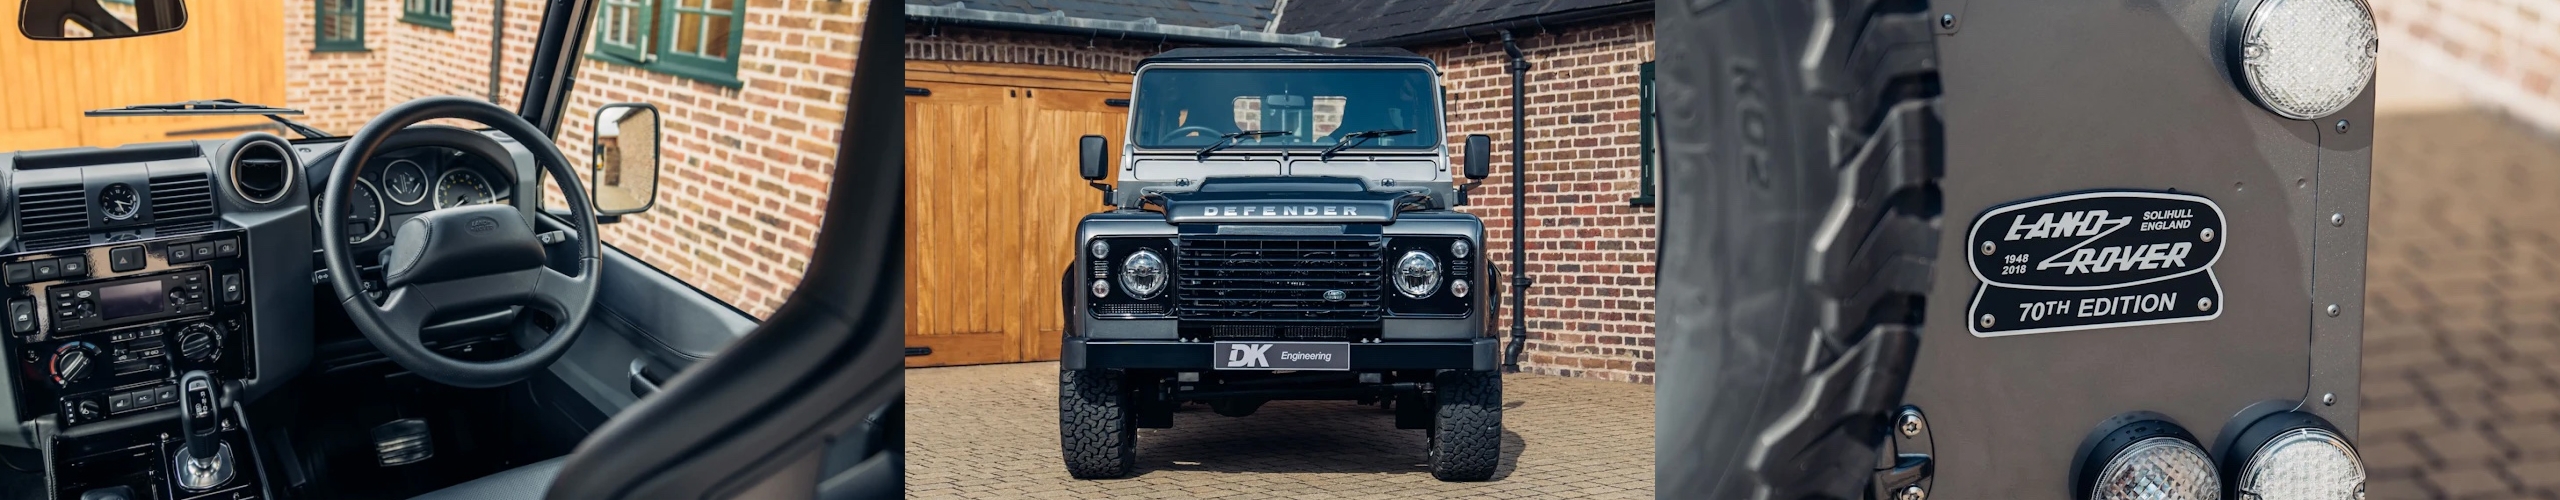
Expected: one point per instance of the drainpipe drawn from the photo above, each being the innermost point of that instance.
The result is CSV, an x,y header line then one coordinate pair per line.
x,y
1519,203
497,48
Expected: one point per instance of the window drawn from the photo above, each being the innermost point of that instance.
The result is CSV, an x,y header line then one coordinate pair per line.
x,y
1645,127
339,27
429,13
1192,107
695,39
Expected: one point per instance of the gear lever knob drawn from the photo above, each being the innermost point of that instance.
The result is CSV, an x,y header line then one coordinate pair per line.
x,y
198,415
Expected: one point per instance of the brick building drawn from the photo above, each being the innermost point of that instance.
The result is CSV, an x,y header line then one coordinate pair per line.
x,y
1590,218
2504,53
750,93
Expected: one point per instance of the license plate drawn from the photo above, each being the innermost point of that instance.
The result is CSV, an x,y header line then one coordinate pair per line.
x,y
1282,356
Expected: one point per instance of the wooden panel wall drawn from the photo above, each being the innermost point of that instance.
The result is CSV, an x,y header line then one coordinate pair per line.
x,y
229,49
993,198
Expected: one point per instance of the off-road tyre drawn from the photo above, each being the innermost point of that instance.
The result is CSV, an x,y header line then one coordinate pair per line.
x,y
1466,424
1800,226
1097,432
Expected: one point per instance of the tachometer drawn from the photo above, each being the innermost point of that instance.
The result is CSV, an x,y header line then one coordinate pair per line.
x,y
463,187
407,182
364,212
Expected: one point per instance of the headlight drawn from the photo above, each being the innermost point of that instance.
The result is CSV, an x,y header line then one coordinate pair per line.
x,y
2304,464
1101,288
2306,59
2158,468
1100,248
1417,274
1142,275
1459,249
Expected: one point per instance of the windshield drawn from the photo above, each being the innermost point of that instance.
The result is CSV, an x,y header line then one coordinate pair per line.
x,y
340,62
1194,108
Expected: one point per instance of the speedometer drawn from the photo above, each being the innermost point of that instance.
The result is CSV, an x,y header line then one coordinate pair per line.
x,y
463,187
364,212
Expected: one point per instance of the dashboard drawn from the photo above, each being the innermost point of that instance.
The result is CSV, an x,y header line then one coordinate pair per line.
x,y
401,184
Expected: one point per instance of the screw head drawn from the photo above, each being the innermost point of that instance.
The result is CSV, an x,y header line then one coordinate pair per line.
x,y
1946,20
1988,248
2337,219
1911,424
2342,126
1913,492
2329,399
2333,310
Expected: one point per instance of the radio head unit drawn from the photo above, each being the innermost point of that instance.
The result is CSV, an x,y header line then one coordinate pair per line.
x,y
109,304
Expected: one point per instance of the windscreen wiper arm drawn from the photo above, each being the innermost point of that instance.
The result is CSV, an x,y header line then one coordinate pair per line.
x,y
215,107
1355,139
1230,140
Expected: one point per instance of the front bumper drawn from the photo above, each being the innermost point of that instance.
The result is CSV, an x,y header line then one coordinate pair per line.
x,y
1087,353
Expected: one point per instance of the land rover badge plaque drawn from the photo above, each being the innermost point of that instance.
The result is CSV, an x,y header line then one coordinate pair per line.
x,y
2095,259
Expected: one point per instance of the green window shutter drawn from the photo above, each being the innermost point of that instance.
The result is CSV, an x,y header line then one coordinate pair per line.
x,y
624,31
436,14
699,39
338,26
1644,148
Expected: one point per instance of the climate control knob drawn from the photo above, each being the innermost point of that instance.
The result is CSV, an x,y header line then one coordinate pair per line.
x,y
199,342
73,361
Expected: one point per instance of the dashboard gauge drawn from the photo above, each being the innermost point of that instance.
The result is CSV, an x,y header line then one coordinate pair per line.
x,y
463,187
364,212
405,182
118,202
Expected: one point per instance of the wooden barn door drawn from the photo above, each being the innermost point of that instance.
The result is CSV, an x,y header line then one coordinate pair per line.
x,y
227,50
993,198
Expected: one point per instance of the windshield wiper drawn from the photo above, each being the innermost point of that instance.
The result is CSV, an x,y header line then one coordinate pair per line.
x,y
1357,138
215,107
1230,140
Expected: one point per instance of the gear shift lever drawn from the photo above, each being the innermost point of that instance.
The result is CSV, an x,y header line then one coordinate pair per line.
x,y
204,462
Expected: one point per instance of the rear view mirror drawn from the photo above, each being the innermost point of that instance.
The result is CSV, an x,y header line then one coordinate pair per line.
x,y
99,20
626,159
1089,151
1479,156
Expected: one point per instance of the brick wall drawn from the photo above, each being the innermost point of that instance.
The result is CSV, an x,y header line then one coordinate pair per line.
x,y
2505,53
1591,252
943,43
743,170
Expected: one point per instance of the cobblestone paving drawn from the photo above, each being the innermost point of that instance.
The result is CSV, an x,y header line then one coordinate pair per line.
x,y
2462,328
992,432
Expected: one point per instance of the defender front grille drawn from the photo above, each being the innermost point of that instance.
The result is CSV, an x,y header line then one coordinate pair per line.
x,y
1248,279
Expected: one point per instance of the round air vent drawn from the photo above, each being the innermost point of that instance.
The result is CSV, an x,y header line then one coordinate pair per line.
x,y
261,170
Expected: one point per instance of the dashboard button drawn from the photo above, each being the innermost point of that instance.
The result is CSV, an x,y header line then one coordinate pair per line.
x,y
45,270
22,272
22,316
144,398
203,250
165,393
181,254
73,267
226,248
126,258
231,289
119,402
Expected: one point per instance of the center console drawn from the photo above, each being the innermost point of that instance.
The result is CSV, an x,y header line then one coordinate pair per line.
x,y
101,338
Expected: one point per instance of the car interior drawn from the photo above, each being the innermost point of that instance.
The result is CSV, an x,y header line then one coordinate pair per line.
x,y
399,314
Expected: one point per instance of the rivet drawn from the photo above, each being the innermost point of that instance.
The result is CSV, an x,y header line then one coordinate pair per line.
x,y
2342,126
2204,304
1988,247
1986,321
2333,310
1947,21
2337,219
2329,399
2206,234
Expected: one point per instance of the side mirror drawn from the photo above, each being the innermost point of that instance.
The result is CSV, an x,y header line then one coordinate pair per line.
x,y
1479,156
94,20
625,172
1090,150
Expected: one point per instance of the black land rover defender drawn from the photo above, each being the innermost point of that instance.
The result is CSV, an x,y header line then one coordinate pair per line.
x,y
1283,230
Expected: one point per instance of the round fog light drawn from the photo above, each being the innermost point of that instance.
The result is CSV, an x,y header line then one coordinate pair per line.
x,y
2304,464
2158,468
1101,288
2306,59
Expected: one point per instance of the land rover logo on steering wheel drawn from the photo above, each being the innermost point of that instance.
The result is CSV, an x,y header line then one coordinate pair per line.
x,y
481,226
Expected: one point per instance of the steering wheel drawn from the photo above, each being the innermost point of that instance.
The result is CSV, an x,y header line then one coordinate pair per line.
x,y
1168,136
468,258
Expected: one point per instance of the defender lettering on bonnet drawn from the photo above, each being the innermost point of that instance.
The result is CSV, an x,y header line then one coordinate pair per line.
x,y
2095,260
1279,211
